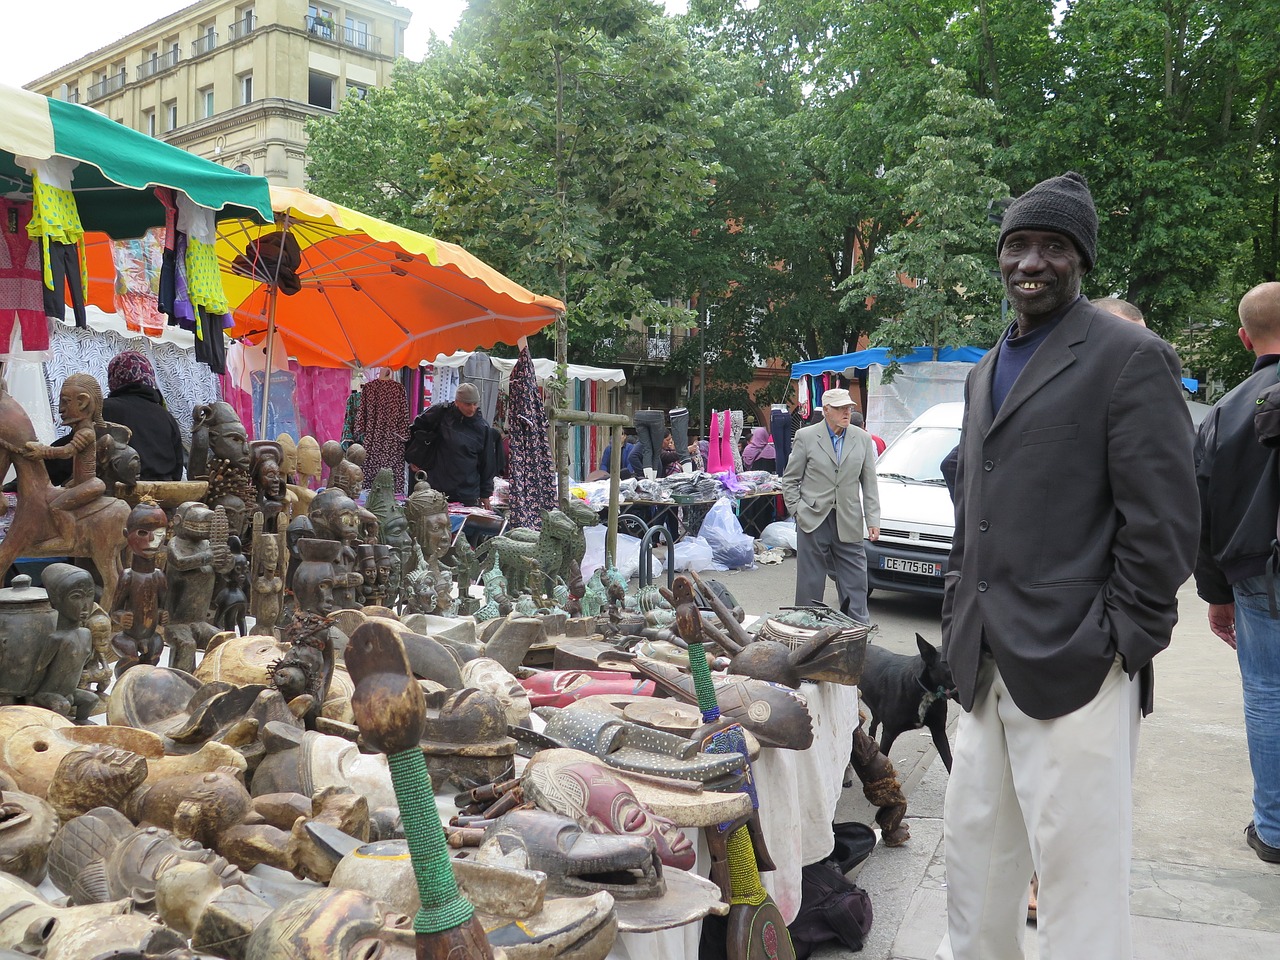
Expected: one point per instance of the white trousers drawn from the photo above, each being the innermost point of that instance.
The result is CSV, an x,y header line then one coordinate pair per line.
x,y
1050,796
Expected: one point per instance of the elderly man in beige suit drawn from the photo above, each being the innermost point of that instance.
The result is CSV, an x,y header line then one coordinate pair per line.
x,y
830,488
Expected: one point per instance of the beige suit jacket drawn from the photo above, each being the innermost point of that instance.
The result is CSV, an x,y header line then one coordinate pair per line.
x,y
814,484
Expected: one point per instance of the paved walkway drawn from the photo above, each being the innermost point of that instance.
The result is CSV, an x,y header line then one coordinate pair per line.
x,y
1198,892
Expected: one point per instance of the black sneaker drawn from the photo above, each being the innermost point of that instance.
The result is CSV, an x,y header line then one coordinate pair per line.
x,y
1264,850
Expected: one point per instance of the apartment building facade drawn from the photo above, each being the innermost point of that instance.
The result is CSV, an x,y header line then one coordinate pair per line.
x,y
235,81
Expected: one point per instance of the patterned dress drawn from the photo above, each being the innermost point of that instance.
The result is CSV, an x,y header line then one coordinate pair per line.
x,y
532,473
383,422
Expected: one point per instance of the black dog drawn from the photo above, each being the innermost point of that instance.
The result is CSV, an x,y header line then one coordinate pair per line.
x,y
907,693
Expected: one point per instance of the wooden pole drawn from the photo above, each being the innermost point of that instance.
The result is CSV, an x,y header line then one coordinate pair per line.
x,y
562,418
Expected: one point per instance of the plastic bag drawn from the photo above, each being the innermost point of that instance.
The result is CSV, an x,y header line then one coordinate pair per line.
x,y
692,553
628,555
781,533
729,545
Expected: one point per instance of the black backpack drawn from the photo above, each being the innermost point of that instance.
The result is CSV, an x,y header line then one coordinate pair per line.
x,y
832,907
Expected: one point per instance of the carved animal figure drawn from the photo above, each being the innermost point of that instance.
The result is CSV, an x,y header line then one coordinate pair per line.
x,y
549,548
98,532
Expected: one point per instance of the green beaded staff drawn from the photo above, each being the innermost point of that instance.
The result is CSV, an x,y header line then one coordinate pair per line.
x,y
391,713
755,925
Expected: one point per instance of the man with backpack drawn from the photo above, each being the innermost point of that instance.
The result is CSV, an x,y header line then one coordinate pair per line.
x,y
451,442
1236,566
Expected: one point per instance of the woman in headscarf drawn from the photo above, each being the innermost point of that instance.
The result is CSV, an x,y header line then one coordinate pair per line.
x,y
135,402
759,454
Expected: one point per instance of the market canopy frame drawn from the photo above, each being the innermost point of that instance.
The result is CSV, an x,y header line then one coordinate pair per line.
x,y
118,167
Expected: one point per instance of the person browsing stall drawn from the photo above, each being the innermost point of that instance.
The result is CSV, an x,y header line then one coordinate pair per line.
x,y
451,442
135,402
829,486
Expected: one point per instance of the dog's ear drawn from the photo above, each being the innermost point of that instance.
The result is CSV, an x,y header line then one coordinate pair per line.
x,y
928,652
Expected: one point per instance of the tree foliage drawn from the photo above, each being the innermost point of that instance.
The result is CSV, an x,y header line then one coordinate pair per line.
x,y
783,160
932,283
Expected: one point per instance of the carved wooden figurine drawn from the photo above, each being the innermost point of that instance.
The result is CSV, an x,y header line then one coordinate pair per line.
x,y
140,606
76,520
267,572
195,554
232,598
69,647
335,516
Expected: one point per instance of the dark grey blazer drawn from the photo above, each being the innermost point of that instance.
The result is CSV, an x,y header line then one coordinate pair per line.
x,y
1077,517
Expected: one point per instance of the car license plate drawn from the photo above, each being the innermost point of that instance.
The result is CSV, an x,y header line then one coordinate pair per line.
x,y
925,568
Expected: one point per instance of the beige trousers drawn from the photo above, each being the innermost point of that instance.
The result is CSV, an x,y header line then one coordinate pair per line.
x,y
1050,796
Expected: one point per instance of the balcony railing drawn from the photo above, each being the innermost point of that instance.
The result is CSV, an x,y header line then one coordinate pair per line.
x,y
242,27
327,29
73,96
108,86
360,39
149,68
642,346
204,44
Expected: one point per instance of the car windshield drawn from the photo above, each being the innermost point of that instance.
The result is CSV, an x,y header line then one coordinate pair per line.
x,y
918,453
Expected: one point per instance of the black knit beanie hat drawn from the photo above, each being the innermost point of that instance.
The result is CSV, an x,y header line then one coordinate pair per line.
x,y
1061,204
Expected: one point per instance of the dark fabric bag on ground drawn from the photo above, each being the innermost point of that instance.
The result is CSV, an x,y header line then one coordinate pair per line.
x,y
832,907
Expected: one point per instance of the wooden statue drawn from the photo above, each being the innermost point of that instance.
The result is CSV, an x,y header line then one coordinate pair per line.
x,y
70,646
266,472
344,472
96,676
73,521
232,599
335,516
139,608
289,458
466,570
307,669
27,826
267,572
427,511
216,434
118,463
196,552
367,567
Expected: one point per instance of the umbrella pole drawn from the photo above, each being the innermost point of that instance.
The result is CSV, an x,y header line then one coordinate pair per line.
x,y
272,296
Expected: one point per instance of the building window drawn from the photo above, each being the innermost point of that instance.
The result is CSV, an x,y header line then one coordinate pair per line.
x,y
73,94
243,168
204,100
149,122
244,22
171,115
207,39
356,90
246,88
320,90
320,22
356,33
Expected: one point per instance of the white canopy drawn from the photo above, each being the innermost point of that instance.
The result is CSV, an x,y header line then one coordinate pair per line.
x,y
543,369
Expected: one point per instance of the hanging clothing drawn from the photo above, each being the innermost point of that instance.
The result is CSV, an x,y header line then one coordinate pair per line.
x,y
320,396
55,220
350,434
533,474
139,263
722,445
204,280
383,421
21,288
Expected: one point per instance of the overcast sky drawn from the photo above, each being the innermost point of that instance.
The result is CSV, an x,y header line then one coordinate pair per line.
x,y
44,36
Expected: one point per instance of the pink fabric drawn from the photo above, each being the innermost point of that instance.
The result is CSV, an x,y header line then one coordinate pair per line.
x,y
719,450
322,400
241,402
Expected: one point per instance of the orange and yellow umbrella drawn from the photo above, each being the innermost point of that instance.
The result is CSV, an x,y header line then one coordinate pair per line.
x,y
366,292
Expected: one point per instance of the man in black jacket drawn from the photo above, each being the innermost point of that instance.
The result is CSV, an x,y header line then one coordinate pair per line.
x,y
1235,571
458,454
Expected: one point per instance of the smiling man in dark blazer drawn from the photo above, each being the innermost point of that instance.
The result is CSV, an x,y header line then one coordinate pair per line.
x,y
1076,523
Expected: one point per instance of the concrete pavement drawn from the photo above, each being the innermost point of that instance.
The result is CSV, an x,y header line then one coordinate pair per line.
x,y
1198,892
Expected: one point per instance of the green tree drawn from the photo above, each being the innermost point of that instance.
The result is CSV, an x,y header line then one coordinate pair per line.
x,y
932,285
561,141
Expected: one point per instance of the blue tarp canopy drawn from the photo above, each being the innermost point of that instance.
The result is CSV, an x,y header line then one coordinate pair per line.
x,y
865,358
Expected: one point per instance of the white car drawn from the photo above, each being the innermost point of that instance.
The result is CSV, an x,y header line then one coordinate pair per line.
x,y
917,517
